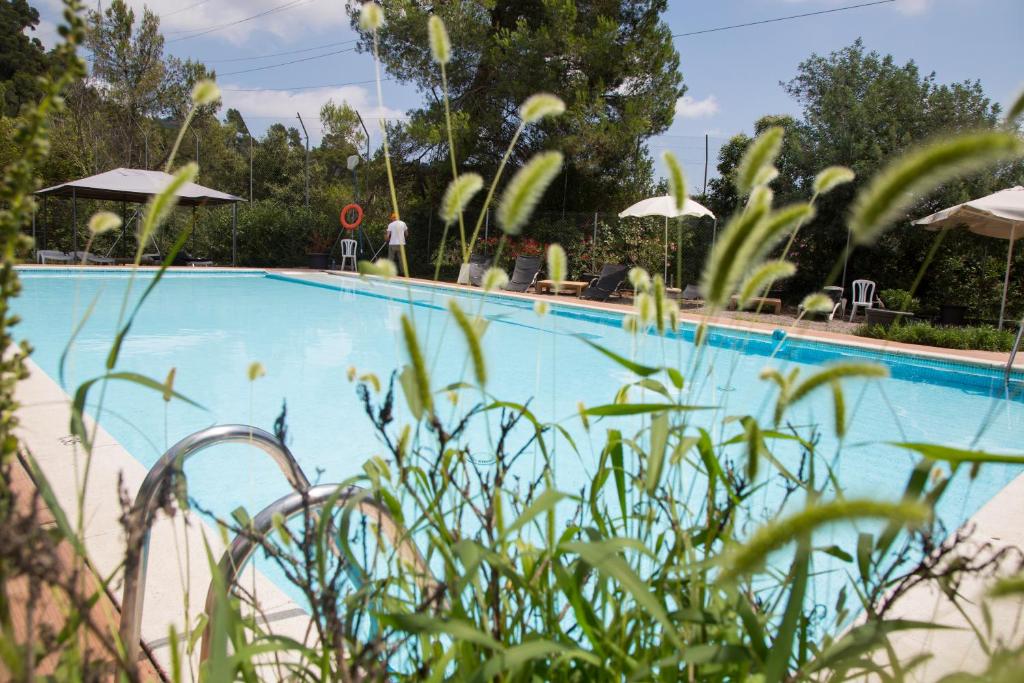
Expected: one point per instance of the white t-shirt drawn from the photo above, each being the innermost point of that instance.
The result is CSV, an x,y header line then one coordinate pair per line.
x,y
397,229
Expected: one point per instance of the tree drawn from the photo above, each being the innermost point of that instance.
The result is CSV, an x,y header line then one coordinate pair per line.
x,y
22,58
861,109
612,61
343,137
128,61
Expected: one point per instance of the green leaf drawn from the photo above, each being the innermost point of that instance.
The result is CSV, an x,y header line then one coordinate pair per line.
x,y
956,456
913,176
604,556
782,647
837,552
74,335
620,409
407,378
618,468
862,639
642,370
514,658
423,623
676,377
543,503
656,454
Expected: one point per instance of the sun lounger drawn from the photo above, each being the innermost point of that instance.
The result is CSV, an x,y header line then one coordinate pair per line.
x,y
52,256
525,274
607,283
478,265
89,257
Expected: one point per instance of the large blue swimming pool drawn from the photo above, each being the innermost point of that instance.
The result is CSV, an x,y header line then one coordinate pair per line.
x,y
210,326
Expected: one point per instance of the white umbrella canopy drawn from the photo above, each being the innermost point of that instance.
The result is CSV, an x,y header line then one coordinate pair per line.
x,y
666,206
999,215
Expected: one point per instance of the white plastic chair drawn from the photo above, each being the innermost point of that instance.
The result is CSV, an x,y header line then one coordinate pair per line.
x,y
863,296
348,253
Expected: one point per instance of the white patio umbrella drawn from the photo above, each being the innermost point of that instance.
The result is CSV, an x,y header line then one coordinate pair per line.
x,y
999,215
666,206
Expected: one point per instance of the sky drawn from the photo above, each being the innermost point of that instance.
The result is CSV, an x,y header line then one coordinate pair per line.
x,y
732,76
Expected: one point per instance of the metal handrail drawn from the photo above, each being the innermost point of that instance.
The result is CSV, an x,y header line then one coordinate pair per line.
x,y
153,492
1013,351
243,545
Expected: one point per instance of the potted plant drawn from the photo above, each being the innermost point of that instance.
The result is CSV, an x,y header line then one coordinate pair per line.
x,y
319,248
899,304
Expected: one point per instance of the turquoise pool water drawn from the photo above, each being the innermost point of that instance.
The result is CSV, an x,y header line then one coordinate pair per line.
x,y
210,326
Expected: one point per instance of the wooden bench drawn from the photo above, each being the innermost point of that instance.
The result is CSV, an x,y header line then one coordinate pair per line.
x,y
565,287
758,303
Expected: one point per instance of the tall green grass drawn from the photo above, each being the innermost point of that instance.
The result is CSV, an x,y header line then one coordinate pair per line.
x,y
662,566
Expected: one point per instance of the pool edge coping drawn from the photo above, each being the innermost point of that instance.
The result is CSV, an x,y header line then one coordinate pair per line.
x,y
862,343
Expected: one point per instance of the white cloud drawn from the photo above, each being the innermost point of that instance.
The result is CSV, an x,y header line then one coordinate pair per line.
x,y
288,22
913,6
262,107
689,108
902,6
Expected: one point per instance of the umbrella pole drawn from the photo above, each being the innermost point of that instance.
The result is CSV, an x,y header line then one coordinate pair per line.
x,y
1006,279
74,221
846,257
664,266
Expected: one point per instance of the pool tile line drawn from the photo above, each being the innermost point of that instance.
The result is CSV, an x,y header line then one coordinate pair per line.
x,y
935,369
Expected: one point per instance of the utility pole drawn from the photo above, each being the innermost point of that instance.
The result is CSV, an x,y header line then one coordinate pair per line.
x,y
246,128
145,137
307,156
705,165
196,136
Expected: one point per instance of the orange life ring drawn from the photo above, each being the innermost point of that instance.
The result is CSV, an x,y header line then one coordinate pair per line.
x,y
359,217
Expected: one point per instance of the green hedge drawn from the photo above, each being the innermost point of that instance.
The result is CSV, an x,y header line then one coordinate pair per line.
x,y
981,338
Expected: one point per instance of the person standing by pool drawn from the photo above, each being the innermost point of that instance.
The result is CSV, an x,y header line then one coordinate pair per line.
x,y
397,230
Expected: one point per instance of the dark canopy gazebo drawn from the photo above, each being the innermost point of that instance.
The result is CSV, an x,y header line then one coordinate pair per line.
x,y
137,186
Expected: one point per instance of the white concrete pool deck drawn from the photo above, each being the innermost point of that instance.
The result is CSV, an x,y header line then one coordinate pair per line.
x,y
179,573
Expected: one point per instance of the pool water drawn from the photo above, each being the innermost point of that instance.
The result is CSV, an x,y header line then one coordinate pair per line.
x,y
211,326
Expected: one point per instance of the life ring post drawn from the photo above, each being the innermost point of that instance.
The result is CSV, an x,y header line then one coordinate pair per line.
x,y
343,217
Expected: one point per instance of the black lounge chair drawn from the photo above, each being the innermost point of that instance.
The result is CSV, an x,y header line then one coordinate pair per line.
x,y
525,274
478,265
607,283
183,258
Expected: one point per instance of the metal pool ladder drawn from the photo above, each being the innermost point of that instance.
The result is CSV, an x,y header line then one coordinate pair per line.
x,y
1013,352
157,488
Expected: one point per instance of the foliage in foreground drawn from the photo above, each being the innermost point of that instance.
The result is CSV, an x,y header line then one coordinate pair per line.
x,y
980,338
659,566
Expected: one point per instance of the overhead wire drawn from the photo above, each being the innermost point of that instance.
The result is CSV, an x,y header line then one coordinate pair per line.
x,y
293,61
310,87
786,18
184,9
280,54
220,27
